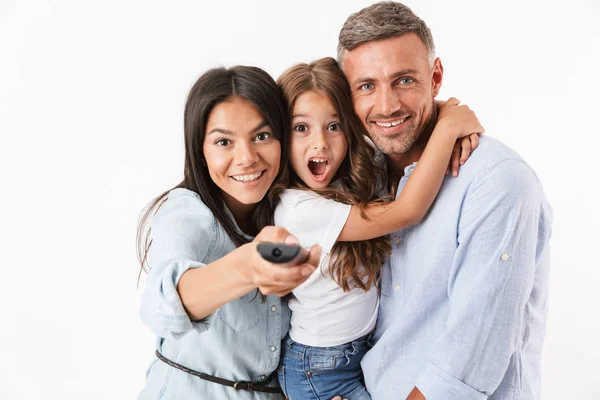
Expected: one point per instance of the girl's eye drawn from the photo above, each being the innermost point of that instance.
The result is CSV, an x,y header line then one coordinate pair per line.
x,y
334,127
261,137
222,142
366,86
301,128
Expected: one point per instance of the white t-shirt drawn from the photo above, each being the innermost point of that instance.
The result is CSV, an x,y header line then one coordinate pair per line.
x,y
322,313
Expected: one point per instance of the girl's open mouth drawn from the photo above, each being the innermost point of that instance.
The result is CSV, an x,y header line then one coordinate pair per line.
x,y
318,167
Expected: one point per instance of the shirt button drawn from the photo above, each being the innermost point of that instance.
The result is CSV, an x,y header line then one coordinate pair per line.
x,y
396,240
262,377
273,348
273,308
505,256
397,287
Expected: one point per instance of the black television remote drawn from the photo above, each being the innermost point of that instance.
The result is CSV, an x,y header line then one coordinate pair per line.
x,y
280,253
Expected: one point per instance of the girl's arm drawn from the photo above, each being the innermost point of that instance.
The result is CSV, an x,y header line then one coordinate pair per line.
x,y
423,185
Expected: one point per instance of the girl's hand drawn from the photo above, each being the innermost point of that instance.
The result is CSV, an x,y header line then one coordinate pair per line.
x,y
461,121
461,153
458,120
278,279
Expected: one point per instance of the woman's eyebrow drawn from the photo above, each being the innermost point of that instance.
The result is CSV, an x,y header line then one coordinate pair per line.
x,y
261,125
220,130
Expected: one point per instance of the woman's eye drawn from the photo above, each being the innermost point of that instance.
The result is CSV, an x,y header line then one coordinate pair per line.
x,y
334,127
261,137
301,128
222,142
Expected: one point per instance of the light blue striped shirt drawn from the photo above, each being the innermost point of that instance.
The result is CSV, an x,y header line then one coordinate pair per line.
x,y
239,341
464,295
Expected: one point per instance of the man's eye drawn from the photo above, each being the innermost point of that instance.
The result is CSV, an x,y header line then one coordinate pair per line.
x,y
261,137
334,127
222,142
366,86
301,128
405,81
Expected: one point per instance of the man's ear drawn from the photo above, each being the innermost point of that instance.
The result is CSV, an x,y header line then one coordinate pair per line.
x,y
437,74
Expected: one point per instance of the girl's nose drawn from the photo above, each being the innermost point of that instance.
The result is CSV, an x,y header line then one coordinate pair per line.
x,y
320,142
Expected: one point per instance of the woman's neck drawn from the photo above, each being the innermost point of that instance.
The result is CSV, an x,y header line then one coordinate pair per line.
x,y
243,215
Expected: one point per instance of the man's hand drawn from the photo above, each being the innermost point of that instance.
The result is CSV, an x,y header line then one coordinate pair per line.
x,y
415,395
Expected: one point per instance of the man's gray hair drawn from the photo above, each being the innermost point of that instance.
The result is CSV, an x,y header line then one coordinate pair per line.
x,y
380,21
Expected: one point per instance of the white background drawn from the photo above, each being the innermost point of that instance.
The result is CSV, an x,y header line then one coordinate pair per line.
x,y
91,105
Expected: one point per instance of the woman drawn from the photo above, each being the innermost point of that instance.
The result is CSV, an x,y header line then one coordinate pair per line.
x,y
217,336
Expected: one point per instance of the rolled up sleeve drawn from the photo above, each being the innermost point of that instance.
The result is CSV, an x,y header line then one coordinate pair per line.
x,y
183,233
503,226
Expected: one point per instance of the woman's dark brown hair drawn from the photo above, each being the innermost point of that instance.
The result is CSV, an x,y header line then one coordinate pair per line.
x,y
357,172
214,87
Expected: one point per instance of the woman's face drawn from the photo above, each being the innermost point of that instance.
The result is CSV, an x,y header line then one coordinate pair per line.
x,y
241,152
318,145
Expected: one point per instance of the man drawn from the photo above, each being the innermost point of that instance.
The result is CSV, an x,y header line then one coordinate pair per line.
x,y
463,302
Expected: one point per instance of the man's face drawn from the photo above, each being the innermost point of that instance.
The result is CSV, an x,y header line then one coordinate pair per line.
x,y
393,89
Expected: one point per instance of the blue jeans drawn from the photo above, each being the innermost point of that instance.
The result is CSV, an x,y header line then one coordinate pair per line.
x,y
321,373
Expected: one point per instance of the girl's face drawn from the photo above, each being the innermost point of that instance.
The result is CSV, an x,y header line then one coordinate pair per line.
x,y
317,144
241,152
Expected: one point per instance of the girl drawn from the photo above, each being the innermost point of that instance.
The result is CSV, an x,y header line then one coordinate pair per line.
x,y
217,338
333,181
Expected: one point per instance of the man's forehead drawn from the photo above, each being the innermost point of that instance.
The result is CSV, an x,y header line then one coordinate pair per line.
x,y
385,57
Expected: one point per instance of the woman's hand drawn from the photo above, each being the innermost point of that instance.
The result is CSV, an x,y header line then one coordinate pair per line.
x,y
278,279
461,121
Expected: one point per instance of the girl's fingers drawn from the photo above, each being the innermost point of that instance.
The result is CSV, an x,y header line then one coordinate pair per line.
x,y
474,139
455,159
465,152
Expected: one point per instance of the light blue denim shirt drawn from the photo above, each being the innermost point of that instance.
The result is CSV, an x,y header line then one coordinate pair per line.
x,y
464,296
239,341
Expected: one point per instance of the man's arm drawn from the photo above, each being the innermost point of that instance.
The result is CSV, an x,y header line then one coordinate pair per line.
x,y
502,235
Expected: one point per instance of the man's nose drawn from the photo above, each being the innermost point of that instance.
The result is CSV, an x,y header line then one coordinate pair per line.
x,y
388,101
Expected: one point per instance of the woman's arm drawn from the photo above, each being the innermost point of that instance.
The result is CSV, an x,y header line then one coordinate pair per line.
x,y
182,289
423,185
203,290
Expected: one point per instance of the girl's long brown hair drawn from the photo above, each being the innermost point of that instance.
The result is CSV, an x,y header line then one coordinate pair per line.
x,y
357,172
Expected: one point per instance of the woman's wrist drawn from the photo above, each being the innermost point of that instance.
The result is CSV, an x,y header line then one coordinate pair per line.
x,y
242,264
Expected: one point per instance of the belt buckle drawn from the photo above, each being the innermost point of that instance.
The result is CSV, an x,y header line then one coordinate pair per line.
x,y
249,386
